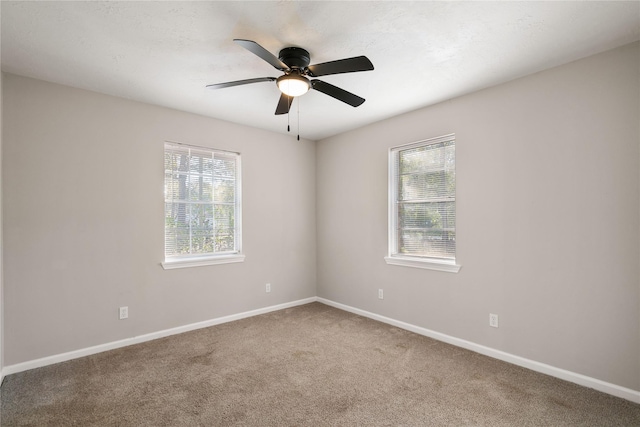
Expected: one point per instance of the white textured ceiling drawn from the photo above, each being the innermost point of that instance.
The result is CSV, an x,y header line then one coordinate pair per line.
x,y
165,53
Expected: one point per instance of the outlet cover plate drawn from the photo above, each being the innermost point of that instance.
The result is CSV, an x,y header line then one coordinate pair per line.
x,y
493,320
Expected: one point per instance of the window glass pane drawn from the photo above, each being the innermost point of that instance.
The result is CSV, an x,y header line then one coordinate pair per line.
x,y
224,216
423,159
201,162
202,228
176,229
224,240
224,167
438,215
427,185
200,188
175,186
427,243
224,190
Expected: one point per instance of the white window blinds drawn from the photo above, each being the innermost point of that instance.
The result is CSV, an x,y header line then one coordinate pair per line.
x,y
202,207
422,200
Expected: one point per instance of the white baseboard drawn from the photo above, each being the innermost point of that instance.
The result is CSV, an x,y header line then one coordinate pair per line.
x,y
57,358
583,380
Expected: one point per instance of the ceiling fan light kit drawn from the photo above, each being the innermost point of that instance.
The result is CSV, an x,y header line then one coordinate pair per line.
x,y
294,62
293,84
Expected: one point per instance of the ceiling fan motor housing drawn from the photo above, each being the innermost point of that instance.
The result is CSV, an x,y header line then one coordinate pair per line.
x,y
295,57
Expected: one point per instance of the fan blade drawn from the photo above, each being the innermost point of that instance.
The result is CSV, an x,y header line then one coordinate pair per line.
x,y
284,104
337,93
349,65
241,82
263,53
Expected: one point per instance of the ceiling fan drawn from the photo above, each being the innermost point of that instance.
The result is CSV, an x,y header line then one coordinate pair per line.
x,y
294,62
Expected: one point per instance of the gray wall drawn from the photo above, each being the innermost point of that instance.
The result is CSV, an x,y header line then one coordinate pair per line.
x,y
1,244
83,223
548,215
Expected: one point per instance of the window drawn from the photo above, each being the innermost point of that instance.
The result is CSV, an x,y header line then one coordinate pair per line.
x,y
202,206
422,205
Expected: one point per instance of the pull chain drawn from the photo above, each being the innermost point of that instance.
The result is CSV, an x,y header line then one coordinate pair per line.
x,y
298,119
290,101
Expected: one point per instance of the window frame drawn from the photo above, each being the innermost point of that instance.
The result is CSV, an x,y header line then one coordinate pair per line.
x,y
393,257
209,258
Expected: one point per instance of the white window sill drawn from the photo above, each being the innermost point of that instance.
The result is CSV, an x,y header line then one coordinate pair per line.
x,y
429,264
199,262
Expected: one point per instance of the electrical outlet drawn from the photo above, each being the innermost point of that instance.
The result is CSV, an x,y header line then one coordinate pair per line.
x,y
124,312
493,320
268,287
380,294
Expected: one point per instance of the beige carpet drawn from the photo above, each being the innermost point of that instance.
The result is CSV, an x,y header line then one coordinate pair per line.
x,y
311,365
